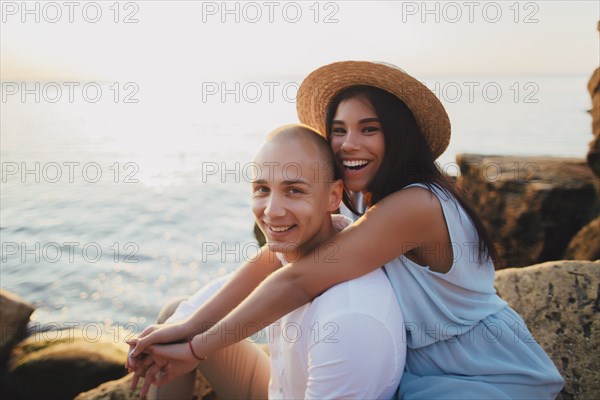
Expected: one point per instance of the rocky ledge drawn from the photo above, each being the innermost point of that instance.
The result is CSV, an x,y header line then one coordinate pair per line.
x,y
533,207
560,302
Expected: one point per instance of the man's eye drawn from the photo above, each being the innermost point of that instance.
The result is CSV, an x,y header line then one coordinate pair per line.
x,y
261,189
295,191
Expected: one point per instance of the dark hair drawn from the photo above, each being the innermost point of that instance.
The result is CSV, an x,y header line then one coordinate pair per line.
x,y
407,157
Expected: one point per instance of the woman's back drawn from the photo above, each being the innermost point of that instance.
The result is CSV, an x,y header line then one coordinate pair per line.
x,y
463,340
435,305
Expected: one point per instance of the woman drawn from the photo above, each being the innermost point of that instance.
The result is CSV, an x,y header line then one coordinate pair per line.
x,y
386,129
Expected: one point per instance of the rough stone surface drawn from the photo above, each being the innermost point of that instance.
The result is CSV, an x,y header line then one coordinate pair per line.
x,y
62,364
532,206
594,91
119,390
560,303
586,244
593,155
14,316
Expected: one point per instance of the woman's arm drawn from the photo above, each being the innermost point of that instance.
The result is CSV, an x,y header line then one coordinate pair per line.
x,y
245,279
248,276
401,222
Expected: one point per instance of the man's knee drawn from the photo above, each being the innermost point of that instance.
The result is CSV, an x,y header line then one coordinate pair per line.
x,y
169,309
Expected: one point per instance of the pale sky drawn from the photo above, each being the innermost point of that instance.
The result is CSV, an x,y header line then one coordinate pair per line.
x,y
188,40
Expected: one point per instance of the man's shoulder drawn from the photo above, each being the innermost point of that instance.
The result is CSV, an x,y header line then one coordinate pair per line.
x,y
376,277
370,294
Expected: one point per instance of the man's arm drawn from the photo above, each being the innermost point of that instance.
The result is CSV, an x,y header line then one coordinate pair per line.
x,y
248,276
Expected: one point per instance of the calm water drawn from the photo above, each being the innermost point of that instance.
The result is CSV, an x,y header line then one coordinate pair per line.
x,y
110,209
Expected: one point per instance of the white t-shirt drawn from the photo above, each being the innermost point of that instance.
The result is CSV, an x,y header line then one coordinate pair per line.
x,y
346,343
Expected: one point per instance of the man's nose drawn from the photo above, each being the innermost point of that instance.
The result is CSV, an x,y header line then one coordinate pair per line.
x,y
275,206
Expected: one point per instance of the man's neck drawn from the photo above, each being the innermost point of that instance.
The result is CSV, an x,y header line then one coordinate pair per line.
x,y
326,233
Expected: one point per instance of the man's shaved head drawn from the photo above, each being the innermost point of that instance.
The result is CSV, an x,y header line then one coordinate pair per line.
x,y
305,134
295,189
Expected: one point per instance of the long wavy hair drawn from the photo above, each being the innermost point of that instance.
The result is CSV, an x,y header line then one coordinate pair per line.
x,y
407,158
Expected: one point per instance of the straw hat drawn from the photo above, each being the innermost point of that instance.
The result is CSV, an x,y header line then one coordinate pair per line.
x,y
321,85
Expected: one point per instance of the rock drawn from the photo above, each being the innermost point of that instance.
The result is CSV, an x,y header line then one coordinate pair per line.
x,y
13,320
119,390
560,302
63,364
593,155
532,206
593,85
586,244
112,390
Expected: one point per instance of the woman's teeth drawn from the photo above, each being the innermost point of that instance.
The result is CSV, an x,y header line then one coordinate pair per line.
x,y
280,229
354,164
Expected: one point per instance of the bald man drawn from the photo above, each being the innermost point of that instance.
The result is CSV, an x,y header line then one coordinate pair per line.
x,y
347,342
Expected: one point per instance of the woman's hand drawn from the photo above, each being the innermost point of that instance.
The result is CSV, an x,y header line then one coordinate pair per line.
x,y
153,334
162,364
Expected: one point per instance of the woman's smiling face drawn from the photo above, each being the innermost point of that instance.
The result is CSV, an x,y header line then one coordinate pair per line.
x,y
357,141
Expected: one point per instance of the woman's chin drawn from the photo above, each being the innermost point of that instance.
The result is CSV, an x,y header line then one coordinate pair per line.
x,y
354,187
280,247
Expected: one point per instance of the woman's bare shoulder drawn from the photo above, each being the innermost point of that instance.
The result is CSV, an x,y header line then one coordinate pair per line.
x,y
414,200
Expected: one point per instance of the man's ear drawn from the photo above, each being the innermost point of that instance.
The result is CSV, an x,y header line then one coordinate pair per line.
x,y
336,190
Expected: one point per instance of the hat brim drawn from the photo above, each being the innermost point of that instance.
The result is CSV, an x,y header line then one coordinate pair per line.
x,y
320,86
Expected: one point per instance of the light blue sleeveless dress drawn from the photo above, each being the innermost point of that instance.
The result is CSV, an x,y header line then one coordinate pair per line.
x,y
465,342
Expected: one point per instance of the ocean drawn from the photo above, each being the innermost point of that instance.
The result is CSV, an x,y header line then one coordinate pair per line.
x,y
112,205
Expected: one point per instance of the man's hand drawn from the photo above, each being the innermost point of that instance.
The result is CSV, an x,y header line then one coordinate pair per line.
x,y
153,334
160,364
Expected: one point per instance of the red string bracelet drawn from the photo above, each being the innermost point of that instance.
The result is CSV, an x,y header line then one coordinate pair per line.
x,y
194,353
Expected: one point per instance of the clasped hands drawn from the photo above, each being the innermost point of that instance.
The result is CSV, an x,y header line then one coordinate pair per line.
x,y
158,356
